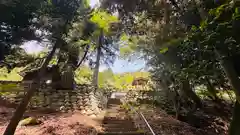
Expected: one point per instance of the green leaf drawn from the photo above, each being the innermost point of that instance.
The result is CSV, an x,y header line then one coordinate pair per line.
x,y
124,37
164,50
194,28
203,25
236,10
103,19
49,2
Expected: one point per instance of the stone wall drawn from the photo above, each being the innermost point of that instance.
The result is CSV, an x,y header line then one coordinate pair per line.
x,y
83,98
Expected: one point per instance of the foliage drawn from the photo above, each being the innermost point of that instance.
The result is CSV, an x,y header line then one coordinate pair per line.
x,y
108,79
83,75
121,81
188,44
218,33
103,20
12,76
17,23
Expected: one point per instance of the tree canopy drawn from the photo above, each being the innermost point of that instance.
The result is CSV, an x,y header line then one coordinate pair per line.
x,y
186,43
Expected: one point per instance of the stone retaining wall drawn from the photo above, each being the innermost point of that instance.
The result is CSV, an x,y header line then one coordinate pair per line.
x,y
84,98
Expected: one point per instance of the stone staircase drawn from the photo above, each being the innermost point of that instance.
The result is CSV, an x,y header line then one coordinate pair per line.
x,y
116,121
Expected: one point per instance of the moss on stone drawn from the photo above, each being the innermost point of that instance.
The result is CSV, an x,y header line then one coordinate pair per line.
x,y
30,121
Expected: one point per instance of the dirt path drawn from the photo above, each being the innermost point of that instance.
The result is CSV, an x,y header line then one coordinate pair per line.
x,y
116,121
72,123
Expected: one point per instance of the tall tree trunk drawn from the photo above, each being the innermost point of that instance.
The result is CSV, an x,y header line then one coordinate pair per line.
x,y
67,78
233,77
234,126
186,88
96,70
10,130
84,57
231,73
172,59
2,50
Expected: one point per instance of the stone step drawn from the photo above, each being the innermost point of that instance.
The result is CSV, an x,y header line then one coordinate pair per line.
x,y
119,123
118,120
114,101
112,108
121,133
116,125
122,118
120,129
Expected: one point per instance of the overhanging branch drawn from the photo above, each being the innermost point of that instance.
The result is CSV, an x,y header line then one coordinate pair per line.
x,y
84,56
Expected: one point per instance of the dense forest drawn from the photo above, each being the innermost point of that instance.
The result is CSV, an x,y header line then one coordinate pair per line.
x,y
188,45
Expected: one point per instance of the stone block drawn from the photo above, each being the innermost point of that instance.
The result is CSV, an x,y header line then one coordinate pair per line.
x,y
81,107
83,112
